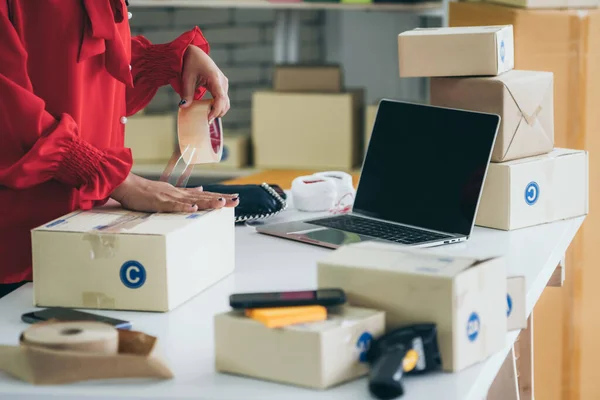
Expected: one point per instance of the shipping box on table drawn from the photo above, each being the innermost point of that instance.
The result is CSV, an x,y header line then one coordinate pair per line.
x,y
315,355
110,258
307,130
479,51
535,190
151,138
523,99
308,78
464,297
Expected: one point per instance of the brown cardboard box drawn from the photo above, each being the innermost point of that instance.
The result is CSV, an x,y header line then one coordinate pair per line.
x,y
567,43
535,190
523,99
151,138
464,296
549,4
308,78
480,51
316,355
306,130
370,114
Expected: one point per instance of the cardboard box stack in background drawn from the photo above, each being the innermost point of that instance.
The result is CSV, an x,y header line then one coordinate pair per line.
x,y
525,184
308,120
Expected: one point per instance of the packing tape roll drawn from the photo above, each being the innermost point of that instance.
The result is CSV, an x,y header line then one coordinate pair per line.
x,y
199,141
314,193
343,183
89,337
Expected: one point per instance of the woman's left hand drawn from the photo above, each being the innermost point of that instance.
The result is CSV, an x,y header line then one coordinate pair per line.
x,y
200,70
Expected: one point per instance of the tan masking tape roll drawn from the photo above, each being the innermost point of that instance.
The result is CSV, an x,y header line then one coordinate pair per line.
x,y
199,142
88,337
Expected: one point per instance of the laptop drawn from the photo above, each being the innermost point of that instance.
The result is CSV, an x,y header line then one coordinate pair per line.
x,y
420,184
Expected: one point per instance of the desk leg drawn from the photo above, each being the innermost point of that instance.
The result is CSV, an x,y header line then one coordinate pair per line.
x,y
524,357
505,386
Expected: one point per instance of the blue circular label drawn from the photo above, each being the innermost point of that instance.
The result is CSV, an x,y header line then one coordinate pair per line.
x,y
133,274
508,305
363,343
502,51
473,326
532,193
225,154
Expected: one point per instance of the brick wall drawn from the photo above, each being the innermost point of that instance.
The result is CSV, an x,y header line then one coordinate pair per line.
x,y
241,44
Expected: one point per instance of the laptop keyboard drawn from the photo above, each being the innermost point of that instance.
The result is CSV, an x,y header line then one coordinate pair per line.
x,y
378,229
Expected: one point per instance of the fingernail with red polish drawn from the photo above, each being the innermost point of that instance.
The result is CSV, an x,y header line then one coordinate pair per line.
x,y
234,198
220,199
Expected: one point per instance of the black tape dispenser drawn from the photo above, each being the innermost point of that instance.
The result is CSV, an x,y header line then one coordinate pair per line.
x,y
407,350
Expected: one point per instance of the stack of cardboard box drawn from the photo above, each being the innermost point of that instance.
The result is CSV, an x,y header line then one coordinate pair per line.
x,y
528,182
563,37
308,120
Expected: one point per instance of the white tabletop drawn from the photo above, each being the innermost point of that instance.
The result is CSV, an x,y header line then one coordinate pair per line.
x,y
269,264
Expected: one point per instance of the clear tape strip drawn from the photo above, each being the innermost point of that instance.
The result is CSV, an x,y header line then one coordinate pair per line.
x,y
177,159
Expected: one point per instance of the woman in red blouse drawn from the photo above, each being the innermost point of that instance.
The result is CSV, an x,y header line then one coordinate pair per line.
x,y
70,75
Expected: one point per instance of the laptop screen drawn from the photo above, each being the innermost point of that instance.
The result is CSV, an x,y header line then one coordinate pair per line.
x,y
425,166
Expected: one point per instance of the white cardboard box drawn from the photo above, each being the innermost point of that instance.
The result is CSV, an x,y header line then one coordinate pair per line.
x,y
316,355
535,190
109,258
516,312
464,297
456,51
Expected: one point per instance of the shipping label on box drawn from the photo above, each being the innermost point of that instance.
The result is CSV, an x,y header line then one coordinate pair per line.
x,y
315,355
516,311
535,190
466,51
464,297
110,258
523,99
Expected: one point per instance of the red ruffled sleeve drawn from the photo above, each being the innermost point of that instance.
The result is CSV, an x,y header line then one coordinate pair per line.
x,y
156,65
36,146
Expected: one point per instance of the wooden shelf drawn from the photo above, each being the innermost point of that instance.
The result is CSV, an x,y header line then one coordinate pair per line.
x,y
424,6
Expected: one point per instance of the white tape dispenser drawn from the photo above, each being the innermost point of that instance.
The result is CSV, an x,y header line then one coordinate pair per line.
x,y
198,142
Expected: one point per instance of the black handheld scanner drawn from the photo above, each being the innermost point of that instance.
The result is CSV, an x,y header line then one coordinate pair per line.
x,y
411,350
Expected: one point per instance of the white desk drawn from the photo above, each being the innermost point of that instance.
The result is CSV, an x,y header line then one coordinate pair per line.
x,y
265,263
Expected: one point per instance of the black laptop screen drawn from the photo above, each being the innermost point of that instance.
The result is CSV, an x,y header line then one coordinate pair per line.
x,y
425,166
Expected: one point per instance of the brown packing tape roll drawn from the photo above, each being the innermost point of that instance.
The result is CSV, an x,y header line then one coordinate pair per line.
x,y
199,141
87,337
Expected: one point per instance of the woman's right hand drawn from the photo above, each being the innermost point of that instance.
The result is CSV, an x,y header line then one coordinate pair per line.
x,y
139,194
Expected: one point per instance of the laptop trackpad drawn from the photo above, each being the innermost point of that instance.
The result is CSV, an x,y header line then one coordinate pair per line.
x,y
333,236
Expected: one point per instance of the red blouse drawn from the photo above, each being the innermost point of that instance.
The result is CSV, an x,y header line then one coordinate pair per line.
x,y
70,74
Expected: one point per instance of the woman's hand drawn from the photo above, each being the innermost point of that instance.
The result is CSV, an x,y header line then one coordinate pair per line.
x,y
139,194
200,70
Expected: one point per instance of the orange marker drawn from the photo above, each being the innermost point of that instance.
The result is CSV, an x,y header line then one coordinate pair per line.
x,y
285,316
